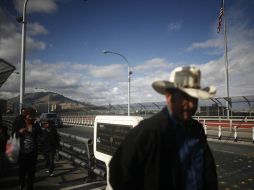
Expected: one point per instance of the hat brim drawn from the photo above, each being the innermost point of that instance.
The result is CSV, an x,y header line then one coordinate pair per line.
x,y
204,93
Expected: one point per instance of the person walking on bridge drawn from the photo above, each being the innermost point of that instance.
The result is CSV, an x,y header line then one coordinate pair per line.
x,y
27,131
168,150
50,143
3,140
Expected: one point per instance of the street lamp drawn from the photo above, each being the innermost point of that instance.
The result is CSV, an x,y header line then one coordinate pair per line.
x,y
22,20
129,74
48,96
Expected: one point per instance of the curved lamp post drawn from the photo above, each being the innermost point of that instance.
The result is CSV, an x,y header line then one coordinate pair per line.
x,y
22,20
129,74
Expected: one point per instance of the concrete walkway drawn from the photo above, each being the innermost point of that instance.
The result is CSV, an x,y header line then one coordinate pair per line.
x,y
66,177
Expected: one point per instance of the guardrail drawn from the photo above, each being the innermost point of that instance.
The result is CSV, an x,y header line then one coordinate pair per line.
x,y
87,120
215,127
237,129
83,156
244,122
230,123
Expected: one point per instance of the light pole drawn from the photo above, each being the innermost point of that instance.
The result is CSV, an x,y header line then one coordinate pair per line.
x,y
23,56
129,74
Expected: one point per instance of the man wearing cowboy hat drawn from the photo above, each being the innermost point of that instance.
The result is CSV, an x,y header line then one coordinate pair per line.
x,y
168,150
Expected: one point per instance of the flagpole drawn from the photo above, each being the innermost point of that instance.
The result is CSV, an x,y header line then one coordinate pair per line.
x,y
226,61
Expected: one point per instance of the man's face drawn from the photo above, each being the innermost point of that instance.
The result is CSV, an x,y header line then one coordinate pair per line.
x,y
182,106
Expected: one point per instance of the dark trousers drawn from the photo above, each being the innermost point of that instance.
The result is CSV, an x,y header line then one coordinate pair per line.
x,y
49,158
27,168
2,163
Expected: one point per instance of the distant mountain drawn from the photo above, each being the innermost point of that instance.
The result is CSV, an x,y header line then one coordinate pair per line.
x,y
38,98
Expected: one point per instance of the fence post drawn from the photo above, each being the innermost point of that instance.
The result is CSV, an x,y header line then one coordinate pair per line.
x,y
91,162
205,128
252,134
219,133
235,134
230,124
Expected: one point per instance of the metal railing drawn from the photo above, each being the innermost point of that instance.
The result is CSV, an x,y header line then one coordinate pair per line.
x,y
80,151
236,128
87,120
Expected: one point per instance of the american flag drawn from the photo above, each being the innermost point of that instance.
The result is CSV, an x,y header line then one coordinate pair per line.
x,y
220,18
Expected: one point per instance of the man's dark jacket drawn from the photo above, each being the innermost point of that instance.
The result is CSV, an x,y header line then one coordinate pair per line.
x,y
148,158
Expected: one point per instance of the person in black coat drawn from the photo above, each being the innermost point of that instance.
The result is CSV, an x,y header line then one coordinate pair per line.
x,y
19,122
3,140
27,130
168,150
50,143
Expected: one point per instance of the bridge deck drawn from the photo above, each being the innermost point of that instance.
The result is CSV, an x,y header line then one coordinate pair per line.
x,y
66,177
234,161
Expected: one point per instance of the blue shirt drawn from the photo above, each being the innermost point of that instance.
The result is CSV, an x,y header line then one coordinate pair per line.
x,y
191,156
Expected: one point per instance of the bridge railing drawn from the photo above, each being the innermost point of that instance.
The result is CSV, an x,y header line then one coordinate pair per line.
x,y
237,128
86,120
241,128
80,151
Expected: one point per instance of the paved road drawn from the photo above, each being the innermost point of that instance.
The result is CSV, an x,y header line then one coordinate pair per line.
x,y
235,164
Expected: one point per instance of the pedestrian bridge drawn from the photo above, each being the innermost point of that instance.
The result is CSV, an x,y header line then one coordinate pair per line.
x,y
76,170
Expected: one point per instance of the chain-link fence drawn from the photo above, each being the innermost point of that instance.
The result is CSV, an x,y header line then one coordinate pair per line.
x,y
242,106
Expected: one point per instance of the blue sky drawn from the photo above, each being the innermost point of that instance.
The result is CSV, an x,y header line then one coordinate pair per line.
x,y
65,39
135,28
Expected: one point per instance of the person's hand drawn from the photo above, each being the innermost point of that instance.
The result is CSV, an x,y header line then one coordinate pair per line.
x,y
23,130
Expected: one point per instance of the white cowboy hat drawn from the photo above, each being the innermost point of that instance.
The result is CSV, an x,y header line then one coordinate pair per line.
x,y
186,79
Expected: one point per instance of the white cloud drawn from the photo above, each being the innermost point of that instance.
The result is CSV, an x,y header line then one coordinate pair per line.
x,y
154,63
10,47
114,71
87,84
211,43
36,28
33,45
10,38
174,26
240,42
240,69
38,6
7,29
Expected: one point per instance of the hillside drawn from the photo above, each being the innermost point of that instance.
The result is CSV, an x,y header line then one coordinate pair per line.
x,y
38,98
